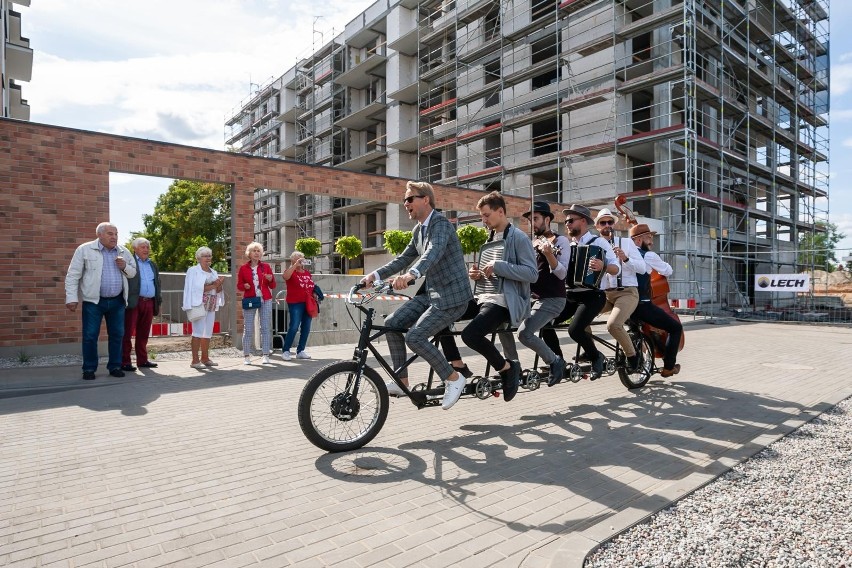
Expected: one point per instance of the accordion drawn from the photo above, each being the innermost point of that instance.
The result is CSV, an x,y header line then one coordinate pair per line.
x,y
490,251
579,273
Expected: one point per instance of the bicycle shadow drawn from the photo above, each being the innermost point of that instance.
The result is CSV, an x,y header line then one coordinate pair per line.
x,y
608,455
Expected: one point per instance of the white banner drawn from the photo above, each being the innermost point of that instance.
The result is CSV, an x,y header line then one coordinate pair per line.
x,y
782,283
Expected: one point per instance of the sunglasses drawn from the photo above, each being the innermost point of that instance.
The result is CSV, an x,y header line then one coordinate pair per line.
x,y
570,220
608,222
411,198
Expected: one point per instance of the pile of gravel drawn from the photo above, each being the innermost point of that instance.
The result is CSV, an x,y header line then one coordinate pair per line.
x,y
788,506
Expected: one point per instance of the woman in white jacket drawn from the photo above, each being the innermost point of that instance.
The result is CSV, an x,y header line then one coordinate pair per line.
x,y
203,287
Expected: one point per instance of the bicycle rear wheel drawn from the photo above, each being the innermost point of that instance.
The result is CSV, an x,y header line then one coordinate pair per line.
x,y
332,417
640,376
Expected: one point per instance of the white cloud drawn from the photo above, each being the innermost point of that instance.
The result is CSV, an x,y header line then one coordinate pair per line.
x,y
163,70
841,79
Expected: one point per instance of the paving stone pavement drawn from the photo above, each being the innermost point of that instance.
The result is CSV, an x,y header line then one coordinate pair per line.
x,y
174,466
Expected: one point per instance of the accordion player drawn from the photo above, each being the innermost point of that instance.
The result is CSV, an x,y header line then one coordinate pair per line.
x,y
579,273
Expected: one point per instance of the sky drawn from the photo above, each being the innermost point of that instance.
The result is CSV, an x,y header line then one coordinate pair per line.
x,y
173,71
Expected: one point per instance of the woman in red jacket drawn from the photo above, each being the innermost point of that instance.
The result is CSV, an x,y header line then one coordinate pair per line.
x,y
255,279
300,286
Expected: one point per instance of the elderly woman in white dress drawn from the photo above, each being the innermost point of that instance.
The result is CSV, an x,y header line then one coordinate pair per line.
x,y
202,287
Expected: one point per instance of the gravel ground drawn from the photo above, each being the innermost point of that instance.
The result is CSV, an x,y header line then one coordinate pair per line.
x,y
788,506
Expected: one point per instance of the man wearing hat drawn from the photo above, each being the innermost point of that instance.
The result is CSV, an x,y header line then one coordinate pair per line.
x,y
647,311
583,304
622,294
552,255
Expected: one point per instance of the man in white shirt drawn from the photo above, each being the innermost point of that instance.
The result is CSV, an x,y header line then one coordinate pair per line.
x,y
621,289
583,304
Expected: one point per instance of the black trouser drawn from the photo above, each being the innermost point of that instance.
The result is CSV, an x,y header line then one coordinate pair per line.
x,y
477,333
656,316
448,341
451,350
582,308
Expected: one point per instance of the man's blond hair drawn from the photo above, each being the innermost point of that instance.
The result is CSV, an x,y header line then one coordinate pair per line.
x,y
423,189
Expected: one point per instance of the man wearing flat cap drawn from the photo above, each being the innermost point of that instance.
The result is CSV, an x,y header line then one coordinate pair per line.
x,y
583,304
646,310
622,294
552,255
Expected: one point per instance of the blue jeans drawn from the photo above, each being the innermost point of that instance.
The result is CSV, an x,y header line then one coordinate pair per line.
x,y
111,309
298,317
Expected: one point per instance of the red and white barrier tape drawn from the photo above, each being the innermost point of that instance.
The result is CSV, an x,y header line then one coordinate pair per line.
x,y
380,297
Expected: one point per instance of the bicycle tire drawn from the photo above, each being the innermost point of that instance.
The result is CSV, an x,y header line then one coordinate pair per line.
x,y
333,420
640,377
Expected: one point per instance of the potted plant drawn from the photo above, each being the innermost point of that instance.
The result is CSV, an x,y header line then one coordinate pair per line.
x,y
348,247
309,246
472,238
396,240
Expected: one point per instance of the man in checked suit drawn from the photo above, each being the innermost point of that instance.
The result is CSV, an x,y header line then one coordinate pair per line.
x,y
435,254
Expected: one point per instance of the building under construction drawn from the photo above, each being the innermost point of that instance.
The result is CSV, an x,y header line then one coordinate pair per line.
x,y
16,60
710,117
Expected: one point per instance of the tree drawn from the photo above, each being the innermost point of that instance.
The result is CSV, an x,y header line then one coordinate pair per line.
x,y
817,250
189,215
308,246
349,247
396,240
471,238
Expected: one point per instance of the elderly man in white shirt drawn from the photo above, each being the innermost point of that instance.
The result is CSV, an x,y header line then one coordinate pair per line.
x,y
622,289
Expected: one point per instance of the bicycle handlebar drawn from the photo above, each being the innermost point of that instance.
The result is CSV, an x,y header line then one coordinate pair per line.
x,y
379,287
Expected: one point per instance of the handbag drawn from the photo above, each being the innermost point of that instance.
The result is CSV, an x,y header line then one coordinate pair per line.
x,y
196,312
311,306
252,303
210,301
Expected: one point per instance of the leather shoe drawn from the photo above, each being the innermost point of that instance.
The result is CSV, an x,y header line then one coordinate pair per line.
x,y
148,365
666,373
598,366
128,368
463,371
117,373
557,372
511,380
88,375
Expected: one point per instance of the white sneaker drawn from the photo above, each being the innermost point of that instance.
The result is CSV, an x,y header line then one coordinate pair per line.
x,y
286,355
452,392
265,360
302,355
394,389
248,361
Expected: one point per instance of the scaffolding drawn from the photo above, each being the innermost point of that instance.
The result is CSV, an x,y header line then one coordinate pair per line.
x,y
710,117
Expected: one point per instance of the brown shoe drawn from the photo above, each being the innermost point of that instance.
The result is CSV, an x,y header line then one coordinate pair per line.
x,y
666,373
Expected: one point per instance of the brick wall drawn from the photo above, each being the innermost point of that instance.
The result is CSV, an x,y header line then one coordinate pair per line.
x,y
55,191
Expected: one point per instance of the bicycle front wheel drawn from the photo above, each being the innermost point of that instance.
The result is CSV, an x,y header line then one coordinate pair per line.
x,y
638,377
336,419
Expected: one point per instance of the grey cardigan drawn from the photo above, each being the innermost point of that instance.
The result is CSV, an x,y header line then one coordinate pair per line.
x,y
518,269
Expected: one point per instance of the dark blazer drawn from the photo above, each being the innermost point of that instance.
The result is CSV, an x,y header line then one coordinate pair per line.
x,y
439,259
133,285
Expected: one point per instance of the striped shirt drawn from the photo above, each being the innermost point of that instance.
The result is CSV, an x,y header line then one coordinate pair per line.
x,y
111,276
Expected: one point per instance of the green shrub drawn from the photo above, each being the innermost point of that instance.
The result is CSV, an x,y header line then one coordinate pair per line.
x,y
396,240
348,247
471,238
309,246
